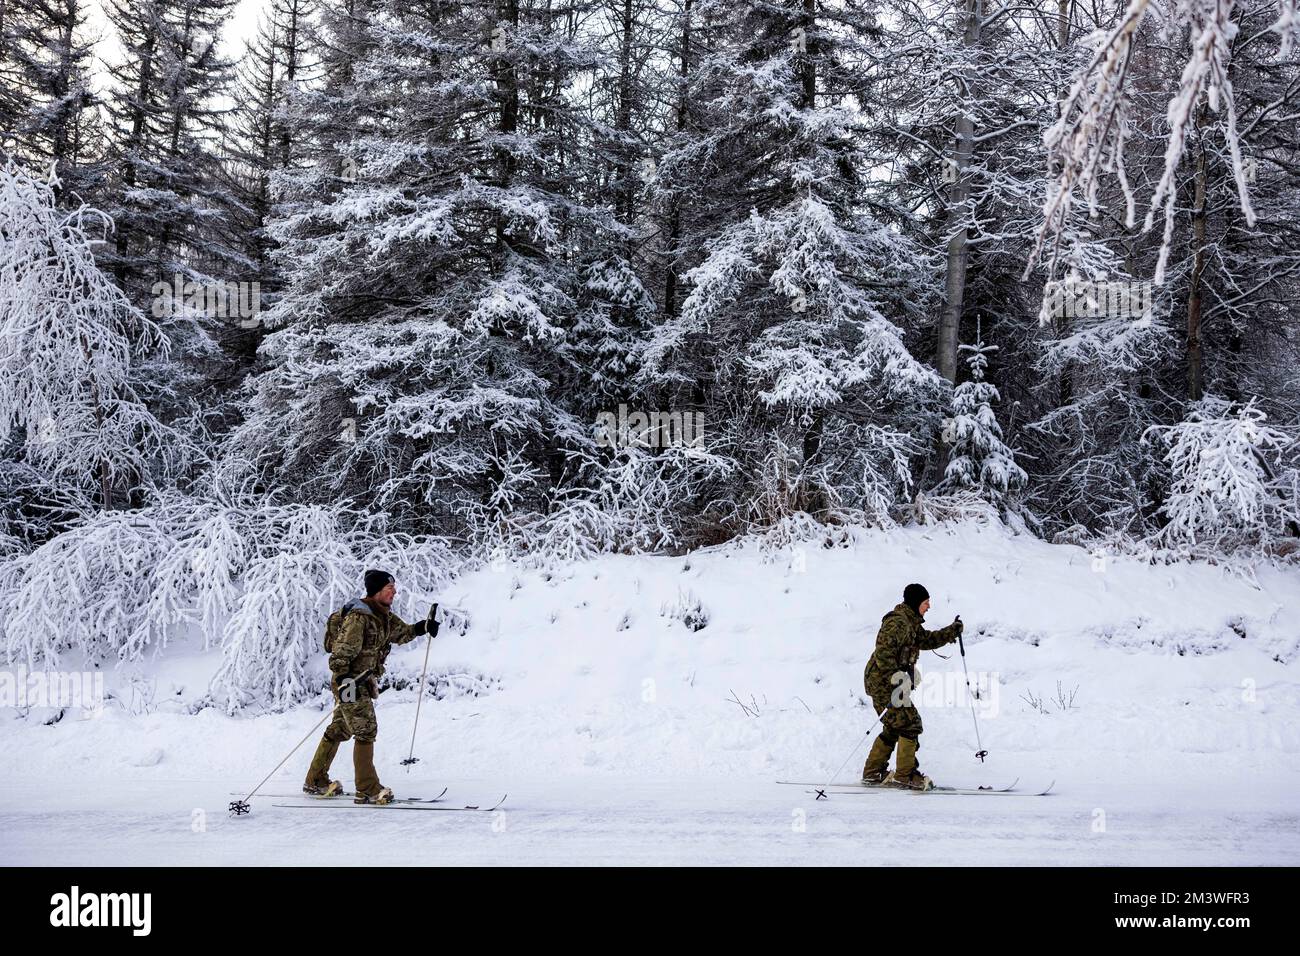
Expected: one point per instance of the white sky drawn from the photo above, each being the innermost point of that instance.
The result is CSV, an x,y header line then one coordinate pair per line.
x,y
237,29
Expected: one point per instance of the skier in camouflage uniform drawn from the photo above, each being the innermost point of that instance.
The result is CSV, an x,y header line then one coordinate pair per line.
x,y
359,637
889,678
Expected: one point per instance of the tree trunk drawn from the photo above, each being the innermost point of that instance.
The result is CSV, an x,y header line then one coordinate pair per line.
x,y
674,214
1195,372
958,197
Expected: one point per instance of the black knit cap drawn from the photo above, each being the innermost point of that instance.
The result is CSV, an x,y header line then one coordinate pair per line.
x,y
376,581
914,595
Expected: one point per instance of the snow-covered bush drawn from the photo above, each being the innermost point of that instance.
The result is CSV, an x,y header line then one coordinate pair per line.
x,y
634,501
800,529
954,507
688,609
256,578
1228,482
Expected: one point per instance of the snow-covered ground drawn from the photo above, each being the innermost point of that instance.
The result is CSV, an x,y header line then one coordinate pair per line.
x,y
1163,701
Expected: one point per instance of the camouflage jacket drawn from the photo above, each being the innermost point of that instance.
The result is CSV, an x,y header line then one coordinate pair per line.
x,y
364,638
901,640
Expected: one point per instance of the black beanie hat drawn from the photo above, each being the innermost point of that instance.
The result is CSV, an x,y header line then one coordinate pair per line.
x,y
914,595
376,581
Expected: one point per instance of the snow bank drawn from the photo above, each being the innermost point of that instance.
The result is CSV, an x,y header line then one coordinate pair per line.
x,y
731,661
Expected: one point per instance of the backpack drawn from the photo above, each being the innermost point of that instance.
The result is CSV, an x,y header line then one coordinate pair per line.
x,y
334,623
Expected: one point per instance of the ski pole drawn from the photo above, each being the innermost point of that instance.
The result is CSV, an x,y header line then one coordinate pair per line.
x,y
981,753
821,794
240,807
410,757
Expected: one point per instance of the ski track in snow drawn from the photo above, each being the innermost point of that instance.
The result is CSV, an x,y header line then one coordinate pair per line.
x,y
608,723
617,822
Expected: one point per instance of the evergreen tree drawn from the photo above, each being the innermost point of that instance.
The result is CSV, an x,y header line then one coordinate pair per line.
x,y
167,196
978,457
790,336
48,109
439,262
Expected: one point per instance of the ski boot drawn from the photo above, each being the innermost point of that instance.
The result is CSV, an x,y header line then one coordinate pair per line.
x,y
332,789
384,796
874,778
908,775
912,781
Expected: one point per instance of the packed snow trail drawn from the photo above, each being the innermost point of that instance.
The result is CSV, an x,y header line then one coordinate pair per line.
x,y
1148,819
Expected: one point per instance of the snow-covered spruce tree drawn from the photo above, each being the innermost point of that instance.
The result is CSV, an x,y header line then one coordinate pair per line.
x,y
788,340
1237,283
166,194
978,457
439,258
276,62
68,406
46,79
962,94
625,101
1230,484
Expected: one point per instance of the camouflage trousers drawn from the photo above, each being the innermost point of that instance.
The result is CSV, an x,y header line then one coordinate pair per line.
x,y
897,720
354,720
351,720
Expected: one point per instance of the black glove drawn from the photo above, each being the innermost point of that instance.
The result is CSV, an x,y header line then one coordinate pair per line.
x,y
428,626
960,626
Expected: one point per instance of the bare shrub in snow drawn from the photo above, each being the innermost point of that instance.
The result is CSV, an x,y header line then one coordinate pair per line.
x,y
629,503
800,529
688,609
955,507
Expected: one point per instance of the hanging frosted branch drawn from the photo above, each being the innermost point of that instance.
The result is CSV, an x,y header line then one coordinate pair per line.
x,y
1090,136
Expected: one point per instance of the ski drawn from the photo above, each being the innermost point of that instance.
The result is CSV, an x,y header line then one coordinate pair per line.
x,y
395,805
942,791
858,787
961,791
343,793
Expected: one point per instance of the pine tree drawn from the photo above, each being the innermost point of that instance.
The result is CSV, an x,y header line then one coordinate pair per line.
x,y
978,457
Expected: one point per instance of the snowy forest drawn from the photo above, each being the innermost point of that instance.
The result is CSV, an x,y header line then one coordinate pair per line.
x,y
431,284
